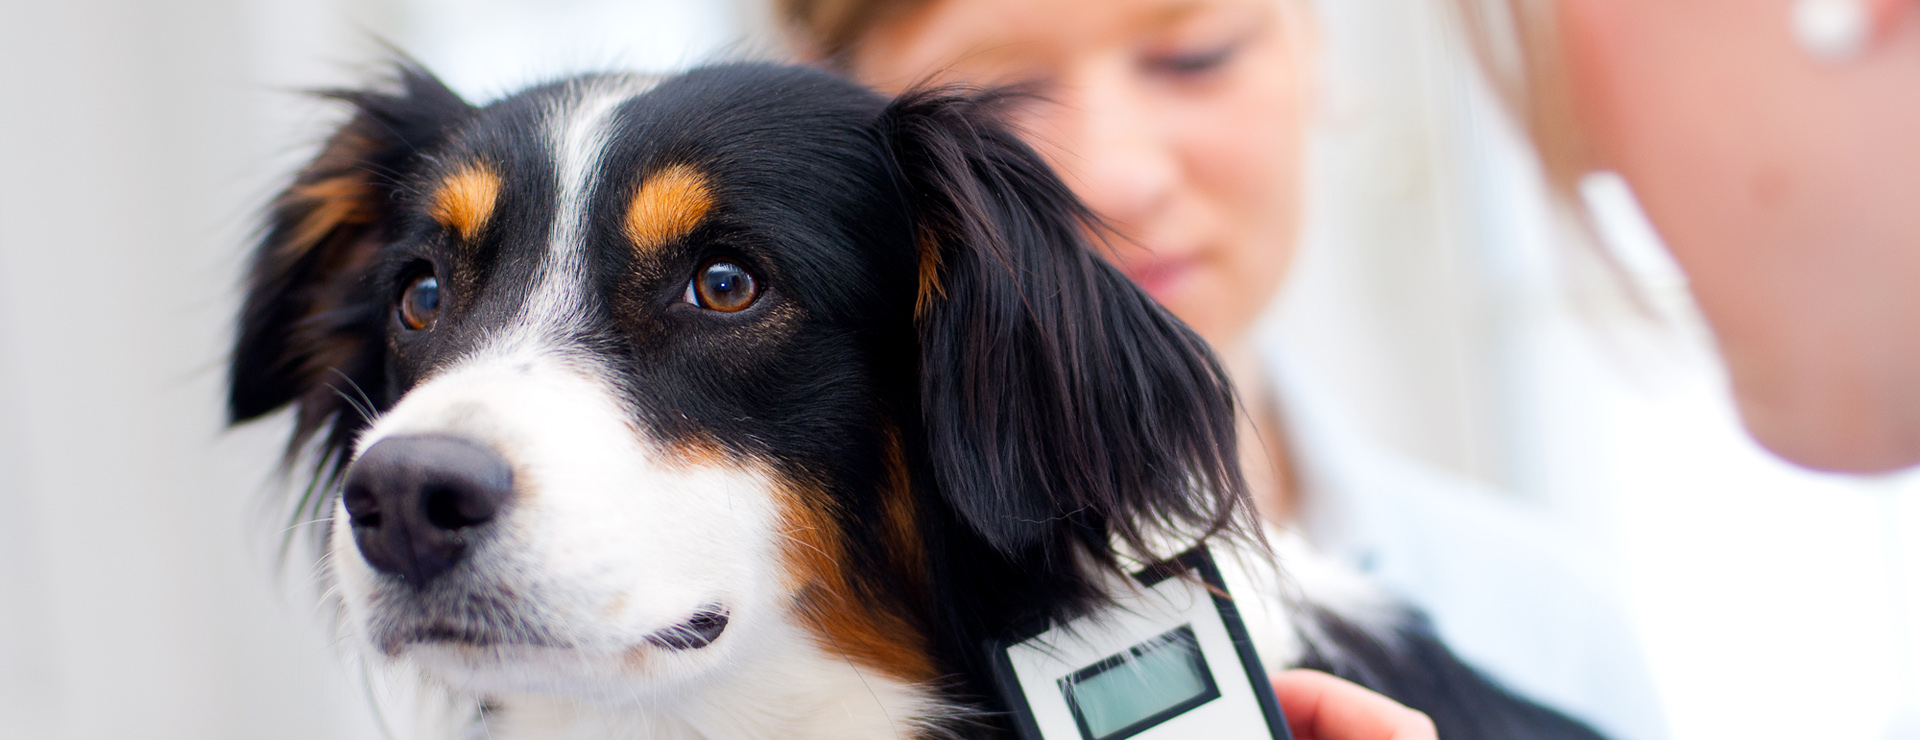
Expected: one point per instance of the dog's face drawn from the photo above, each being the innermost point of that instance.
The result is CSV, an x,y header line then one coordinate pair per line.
x,y
626,347
626,383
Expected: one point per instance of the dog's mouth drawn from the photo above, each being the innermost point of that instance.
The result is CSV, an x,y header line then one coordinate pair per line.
x,y
449,634
446,634
697,632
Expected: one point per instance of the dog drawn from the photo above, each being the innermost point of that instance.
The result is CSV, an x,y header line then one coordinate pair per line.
x,y
748,403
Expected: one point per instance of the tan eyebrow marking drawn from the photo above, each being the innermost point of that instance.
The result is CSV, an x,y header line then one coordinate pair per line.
x,y
669,204
465,199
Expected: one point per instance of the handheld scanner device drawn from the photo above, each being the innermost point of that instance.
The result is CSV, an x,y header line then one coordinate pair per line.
x,y
1168,661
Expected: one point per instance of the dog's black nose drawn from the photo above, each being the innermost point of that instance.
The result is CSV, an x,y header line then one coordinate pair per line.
x,y
414,502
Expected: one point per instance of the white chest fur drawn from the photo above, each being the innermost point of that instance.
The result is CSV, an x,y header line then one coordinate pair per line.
x,y
805,694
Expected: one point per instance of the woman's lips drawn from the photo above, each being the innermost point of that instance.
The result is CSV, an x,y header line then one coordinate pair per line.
x,y
1161,278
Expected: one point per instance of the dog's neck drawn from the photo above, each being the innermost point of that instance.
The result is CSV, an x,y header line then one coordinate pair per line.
x,y
805,693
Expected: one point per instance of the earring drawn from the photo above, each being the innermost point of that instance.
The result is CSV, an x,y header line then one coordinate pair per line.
x,y
1830,30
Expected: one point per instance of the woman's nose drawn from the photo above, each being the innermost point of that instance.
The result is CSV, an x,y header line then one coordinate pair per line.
x,y
1114,151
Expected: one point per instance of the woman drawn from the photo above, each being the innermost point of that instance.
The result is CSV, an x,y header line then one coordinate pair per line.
x,y
1182,123
1775,146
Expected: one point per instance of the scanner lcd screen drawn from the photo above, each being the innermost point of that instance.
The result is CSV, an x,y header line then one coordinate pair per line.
x,y
1135,689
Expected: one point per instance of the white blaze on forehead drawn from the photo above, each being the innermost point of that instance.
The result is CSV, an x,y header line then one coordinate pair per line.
x,y
578,131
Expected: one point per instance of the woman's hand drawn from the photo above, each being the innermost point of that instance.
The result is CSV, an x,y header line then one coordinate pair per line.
x,y
1321,707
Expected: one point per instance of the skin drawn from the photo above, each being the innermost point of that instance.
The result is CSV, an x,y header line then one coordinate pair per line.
x,y
1179,121
1788,189
1323,707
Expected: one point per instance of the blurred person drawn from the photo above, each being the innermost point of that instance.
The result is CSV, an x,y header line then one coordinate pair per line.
x,y
1183,124
1775,147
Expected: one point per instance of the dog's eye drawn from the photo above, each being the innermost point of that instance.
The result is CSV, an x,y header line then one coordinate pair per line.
x,y
722,286
420,305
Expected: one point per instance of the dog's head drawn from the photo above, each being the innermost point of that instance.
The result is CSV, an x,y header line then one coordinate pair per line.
x,y
617,383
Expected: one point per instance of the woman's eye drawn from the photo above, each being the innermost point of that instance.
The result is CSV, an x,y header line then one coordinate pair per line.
x,y
722,286
1194,63
420,304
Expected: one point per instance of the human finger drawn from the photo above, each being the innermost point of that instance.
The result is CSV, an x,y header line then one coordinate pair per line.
x,y
1323,707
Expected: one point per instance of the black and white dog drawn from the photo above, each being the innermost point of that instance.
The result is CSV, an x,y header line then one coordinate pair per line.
x,y
744,404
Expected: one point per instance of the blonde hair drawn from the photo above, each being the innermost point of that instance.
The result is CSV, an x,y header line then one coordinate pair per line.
x,y
1517,43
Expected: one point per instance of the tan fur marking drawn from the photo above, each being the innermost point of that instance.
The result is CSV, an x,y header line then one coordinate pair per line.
x,y
695,452
326,207
669,204
465,200
333,202
904,544
929,275
868,629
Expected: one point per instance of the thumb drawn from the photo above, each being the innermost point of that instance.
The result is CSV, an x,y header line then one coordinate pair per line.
x,y
1322,707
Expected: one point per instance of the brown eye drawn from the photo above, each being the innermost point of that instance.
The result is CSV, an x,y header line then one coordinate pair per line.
x,y
723,286
420,305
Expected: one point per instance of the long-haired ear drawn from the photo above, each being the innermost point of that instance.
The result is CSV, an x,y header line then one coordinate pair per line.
x,y
306,335
1063,407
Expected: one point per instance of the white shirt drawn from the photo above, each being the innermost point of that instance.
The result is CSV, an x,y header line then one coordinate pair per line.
x,y
1505,587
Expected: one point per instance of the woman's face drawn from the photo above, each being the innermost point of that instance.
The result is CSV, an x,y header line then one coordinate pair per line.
x,y
1788,188
1178,121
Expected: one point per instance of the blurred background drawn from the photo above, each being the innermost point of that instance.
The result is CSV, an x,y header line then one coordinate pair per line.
x,y
1439,301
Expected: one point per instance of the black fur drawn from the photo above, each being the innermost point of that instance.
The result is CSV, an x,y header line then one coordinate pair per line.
x,y
929,288
310,329
1063,410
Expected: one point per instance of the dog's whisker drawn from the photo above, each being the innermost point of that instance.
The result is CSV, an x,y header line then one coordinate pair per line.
x,y
363,404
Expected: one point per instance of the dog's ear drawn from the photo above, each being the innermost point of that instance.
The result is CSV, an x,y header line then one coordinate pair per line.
x,y
1061,404
307,335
